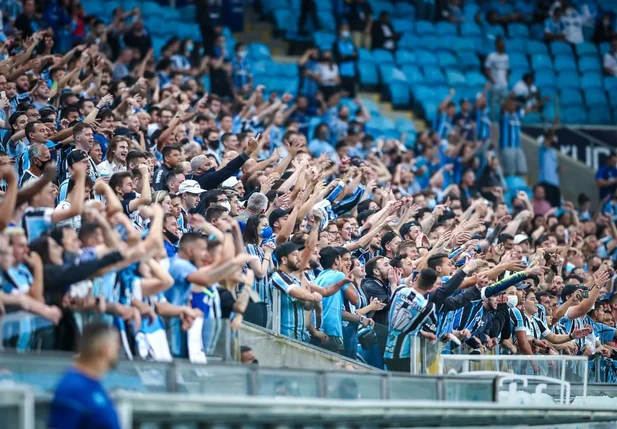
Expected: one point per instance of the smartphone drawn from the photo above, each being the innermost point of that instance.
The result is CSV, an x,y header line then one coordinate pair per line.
x,y
3,95
584,294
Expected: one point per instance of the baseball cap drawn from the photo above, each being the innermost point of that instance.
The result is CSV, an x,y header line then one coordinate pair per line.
x,y
569,289
230,183
285,249
521,285
520,238
190,186
76,156
276,215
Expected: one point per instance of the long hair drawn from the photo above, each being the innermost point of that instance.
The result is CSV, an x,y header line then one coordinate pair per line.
x,y
251,234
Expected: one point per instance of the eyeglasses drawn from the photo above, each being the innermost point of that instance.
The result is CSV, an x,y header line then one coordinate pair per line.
x,y
225,200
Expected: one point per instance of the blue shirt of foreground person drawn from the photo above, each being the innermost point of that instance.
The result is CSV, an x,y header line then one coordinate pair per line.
x,y
80,401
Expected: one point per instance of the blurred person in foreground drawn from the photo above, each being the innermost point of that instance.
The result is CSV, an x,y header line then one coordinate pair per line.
x,y
80,401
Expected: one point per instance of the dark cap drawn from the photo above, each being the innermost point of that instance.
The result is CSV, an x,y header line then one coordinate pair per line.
x,y
122,131
276,215
521,285
76,156
285,249
569,289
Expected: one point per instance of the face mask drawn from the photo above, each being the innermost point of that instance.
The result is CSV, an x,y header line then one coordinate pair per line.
x,y
431,203
242,55
344,34
173,239
266,232
512,301
226,204
130,196
214,144
189,47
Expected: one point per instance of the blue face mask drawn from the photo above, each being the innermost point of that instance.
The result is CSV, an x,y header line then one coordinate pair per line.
x,y
266,232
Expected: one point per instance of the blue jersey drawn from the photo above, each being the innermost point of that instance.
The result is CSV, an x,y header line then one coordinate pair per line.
x,y
292,310
332,316
510,130
260,285
80,402
36,221
180,269
408,312
443,125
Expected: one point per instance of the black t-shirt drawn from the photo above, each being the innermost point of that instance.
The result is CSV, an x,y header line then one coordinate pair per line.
x,y
227,302
160,178
359,15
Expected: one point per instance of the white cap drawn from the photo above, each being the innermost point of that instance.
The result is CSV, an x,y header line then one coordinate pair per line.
x,y
519,238
230,183
190,186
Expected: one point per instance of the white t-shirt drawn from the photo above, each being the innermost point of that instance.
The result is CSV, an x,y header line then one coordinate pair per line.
x,y
610,62
498,66
328,74
573,22
522,90
74,222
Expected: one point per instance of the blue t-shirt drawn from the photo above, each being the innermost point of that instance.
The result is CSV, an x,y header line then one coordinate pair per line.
x,y
179,293
332,316
81,402
607,172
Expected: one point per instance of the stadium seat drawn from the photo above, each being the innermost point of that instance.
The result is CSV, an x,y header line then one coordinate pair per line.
x,y
494,31
532,118
433,75
324,40
541,62
515,46
446,59
470,11
258,51
596,98
549,110
426,58
405,125
560,47
288,70
518,61
545,78
425,28
470,28
323,5
610,83
403,25
423,93
568,79
263,67
386,73
413,74
599,116
586,50
281,18
455,78
405,57
535,47
571,97
365,56
461,44
468,60
605,47
475,78
399,95
591,80
536,31
445,28
405,10
613,98
381,6
381,56
515,184
589,64
516,75
574,115
409,42
518,31
326,20
565,63
368,74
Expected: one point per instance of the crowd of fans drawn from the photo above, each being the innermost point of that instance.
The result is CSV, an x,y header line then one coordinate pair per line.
x,y
130,194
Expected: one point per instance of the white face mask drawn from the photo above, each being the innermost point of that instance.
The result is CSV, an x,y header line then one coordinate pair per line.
x,y
226,205
512,301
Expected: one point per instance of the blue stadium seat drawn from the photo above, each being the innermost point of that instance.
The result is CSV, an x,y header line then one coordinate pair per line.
x,y
445,28
288,70
403,25
365,56
549,109
258,51
455,78
326,20
271,6
515,184
405,10
517,30
381,56
591,80
516,75
409,42
545,78
535,47
475,78
433,75
559,47
281,18
596,98
405,57
571,97
382,6
399,95
446,59
263,67
324,40
405,125
568,79
565,63
574,115
600,116
532,118
323,5
470,11
536,31
470,28
518,61
613,98
413,73
426,58
461,44
586,50
610,83
468,60
386,73
516,46
494,31
605,47
589,64
149,9
541,62
368,74
425,28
